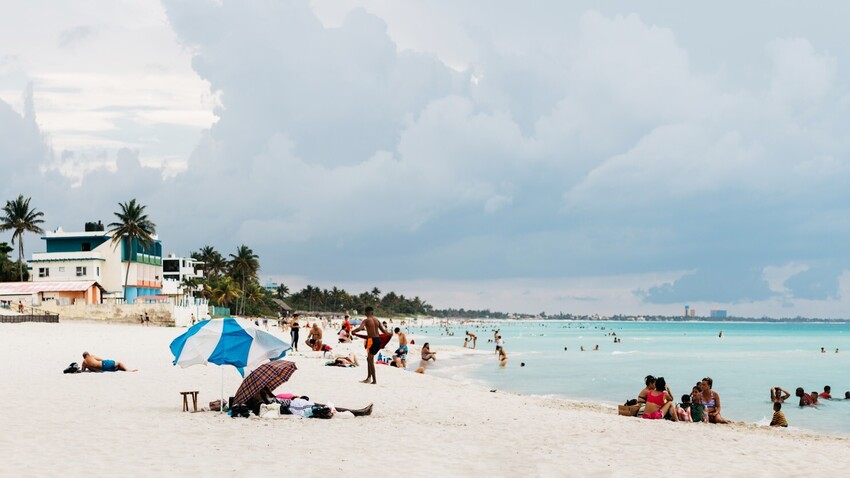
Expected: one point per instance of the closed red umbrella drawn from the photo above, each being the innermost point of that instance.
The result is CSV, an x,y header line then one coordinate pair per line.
x,y
270,374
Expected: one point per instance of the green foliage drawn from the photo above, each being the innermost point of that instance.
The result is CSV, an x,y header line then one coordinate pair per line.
x,y
133,226
8,269
18,217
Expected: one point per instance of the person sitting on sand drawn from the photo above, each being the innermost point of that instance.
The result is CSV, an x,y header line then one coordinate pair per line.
x,y
778,395
344,338
826,394
659,402
712,401
778,417
427,355
314,340
805,398
93,363
697,406
649,380
685,409
400,354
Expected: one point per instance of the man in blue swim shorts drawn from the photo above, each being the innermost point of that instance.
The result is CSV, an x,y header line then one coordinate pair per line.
x,y
93,363
400,355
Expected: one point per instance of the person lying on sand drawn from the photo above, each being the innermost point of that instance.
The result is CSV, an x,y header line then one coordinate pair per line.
x,y
93,363
349,360
298,405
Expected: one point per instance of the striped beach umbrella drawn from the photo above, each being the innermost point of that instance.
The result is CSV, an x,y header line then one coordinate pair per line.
x,y
268,375
226,341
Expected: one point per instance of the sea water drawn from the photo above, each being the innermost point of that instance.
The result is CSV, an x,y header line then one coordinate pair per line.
x,y
745,363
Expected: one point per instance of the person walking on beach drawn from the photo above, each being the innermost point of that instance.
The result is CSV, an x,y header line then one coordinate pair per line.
x,y
147,320
373,341
293,332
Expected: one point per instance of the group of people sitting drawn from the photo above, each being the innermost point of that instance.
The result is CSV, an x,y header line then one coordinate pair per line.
x,y
701,405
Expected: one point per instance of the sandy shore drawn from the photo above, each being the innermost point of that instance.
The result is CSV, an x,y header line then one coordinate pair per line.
x,y
131,424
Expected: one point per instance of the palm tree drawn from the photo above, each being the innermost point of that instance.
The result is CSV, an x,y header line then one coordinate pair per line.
x,y
214,263
134,225
282,291
20,218
243,267
224,292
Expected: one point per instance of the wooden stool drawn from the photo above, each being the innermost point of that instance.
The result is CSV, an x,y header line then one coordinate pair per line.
x,y
186,400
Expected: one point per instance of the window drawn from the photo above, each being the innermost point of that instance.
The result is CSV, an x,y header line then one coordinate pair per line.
x,y
61,269
44,272
86,246
98,271
81,271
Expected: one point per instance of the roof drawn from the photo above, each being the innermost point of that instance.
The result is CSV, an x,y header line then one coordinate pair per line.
x,y
283,305
23,288
68,259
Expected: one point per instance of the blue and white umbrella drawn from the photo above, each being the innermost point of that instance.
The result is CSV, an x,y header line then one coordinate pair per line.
x,y
227,341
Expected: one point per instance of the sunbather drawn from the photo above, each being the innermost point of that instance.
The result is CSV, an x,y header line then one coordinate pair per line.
x,y
93,363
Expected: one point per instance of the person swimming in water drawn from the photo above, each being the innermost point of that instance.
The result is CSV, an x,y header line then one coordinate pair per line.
x,y
778,395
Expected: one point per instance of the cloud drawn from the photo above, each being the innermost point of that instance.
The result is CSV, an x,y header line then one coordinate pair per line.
x,y
68,38
555,144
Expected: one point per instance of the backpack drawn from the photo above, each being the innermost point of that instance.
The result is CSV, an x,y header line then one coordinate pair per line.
x,y
73,368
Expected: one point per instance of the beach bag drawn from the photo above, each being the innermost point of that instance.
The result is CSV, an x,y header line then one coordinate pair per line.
x,y
73,368
321,412
628,410
215,406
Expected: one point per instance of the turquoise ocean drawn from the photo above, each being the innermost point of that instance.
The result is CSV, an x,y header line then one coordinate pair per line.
x,y
745,363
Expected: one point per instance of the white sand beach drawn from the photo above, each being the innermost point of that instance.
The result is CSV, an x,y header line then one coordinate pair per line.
x,y
131,424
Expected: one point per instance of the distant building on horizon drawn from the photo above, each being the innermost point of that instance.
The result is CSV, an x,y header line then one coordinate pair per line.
x,y
718,314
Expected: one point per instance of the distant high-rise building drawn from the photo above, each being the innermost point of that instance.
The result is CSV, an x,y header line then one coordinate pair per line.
x,y
718,314
687,307
692,313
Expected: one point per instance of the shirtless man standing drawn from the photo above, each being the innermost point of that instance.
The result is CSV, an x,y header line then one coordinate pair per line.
x,y
93,363
373,341
400,356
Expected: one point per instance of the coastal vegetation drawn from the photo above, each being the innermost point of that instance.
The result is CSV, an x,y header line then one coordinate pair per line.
x,y
134,226
18,216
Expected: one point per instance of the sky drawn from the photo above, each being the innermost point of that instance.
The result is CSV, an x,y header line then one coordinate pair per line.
x,y
579,157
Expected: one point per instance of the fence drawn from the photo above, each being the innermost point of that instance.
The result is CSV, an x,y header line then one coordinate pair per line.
x,y
219,311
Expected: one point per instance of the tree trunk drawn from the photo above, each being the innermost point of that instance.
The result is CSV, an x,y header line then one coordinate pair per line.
x,y
127,274
21,256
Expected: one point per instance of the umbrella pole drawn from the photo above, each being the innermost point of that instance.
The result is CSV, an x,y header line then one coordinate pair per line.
x,y
221,408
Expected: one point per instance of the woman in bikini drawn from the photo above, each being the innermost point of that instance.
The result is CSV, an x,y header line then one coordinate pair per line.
x,y
659,402
711,399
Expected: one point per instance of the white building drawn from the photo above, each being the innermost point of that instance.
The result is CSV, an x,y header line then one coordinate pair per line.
x,y
91,256
175,270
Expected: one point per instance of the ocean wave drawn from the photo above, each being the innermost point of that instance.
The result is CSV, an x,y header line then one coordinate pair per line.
x,y
624,352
